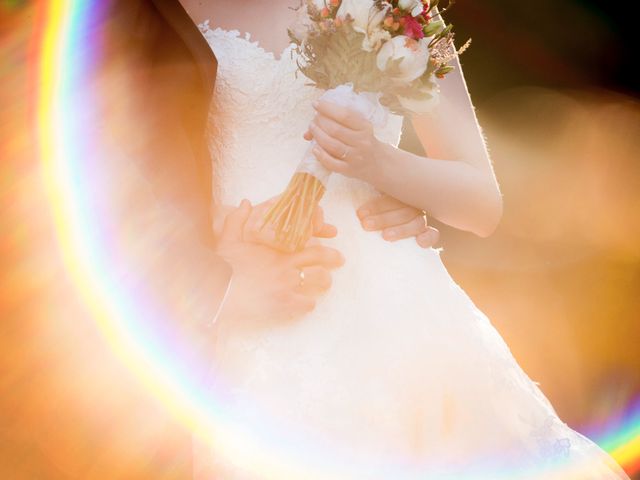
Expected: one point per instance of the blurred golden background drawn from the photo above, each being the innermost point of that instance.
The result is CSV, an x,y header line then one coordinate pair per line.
x,y
555,94
560,279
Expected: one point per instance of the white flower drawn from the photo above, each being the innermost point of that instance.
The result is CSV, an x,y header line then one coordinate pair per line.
x,y
375,39
416,7
367,19
413,56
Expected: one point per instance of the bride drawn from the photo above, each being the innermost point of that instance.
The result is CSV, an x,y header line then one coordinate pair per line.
x,y
395,371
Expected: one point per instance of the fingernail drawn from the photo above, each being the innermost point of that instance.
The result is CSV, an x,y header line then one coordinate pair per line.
x,y
315,150
363,213
369,224
427,240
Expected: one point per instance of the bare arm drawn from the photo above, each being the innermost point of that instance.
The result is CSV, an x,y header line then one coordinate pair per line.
x,y
455,183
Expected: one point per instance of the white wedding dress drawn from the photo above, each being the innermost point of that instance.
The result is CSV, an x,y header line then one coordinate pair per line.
x,y
396,374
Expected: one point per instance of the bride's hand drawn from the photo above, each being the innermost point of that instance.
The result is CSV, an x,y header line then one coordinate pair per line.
x,y
255,230
397,221
345,141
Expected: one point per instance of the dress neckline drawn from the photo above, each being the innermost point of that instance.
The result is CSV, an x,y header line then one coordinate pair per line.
x,y
246,37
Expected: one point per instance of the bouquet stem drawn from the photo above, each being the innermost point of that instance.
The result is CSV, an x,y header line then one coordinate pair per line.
x,y
292,215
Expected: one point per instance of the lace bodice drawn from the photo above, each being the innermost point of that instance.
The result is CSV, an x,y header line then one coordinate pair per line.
x,y
261,108
395,349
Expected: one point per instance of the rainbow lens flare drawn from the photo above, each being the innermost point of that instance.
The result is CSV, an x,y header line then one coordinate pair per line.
x,y
64,52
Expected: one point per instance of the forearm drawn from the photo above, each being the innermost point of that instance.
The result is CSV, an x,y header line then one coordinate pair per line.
x,y
452,191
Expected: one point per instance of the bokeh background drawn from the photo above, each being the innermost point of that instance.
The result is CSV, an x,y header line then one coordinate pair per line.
x,y
556,94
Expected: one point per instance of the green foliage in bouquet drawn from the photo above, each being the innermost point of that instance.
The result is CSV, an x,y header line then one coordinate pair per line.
x,y
392,59
331,54
335,57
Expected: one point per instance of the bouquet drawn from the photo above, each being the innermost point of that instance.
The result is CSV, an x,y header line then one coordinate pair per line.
x,y
374,56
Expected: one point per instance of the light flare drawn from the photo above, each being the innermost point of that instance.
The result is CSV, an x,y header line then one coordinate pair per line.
x,y
60,64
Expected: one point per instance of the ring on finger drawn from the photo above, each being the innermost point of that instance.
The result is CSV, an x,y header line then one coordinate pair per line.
x,y
425,218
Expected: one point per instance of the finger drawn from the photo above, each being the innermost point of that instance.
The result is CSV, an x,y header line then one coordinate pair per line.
x,y
267,237
256,230
317,280
257,217
412,228
300,305
380,204
336,130
343,115
327,231
308,136
319,256
334,147
320,228
318,219
234,223
393,218
429,238
330,163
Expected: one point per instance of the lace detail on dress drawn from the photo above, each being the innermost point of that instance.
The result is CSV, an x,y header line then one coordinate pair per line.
x,y
396,346
261,108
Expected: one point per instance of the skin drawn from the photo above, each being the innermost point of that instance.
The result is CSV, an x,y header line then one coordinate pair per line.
x,y
266,282
455,183
268,25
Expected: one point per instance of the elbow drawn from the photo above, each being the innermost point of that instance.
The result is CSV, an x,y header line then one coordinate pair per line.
x,y
491,215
